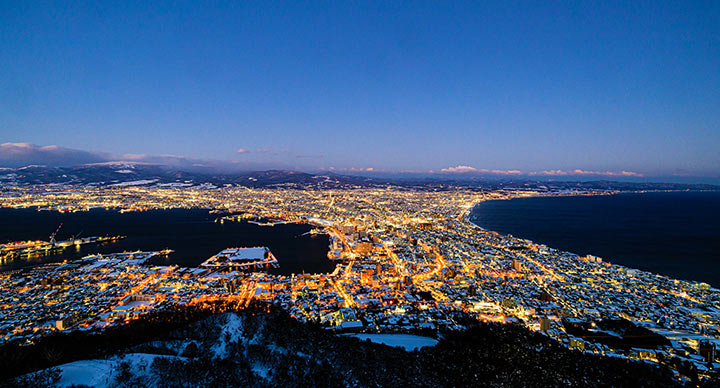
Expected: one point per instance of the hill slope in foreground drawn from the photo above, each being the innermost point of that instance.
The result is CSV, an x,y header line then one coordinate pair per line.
x,y
259,347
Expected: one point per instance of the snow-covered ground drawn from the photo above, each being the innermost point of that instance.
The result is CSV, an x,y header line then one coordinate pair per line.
x,y
231,331
406,341
135,183
222,331
101,373
174,184
94,373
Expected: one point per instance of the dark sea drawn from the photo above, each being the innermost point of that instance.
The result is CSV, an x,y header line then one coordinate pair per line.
x,y
192,234
675,234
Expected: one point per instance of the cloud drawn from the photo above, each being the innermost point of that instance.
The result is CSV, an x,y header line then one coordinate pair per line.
x,y
264,151
22,154
459,169
580,172
549,173
351,169
134,156
502,172
466,169
576,172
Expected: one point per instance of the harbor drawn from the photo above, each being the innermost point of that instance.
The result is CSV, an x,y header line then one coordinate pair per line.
x,y
194,235
20,249
246,258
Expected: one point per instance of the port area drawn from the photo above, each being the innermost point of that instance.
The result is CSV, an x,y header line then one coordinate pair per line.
x,y
39,247
122,259
242,259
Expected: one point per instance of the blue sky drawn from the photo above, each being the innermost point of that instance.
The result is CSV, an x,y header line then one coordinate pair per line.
x,y
393,86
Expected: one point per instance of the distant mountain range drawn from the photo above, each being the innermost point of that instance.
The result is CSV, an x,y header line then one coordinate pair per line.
x,y
134,173
129,173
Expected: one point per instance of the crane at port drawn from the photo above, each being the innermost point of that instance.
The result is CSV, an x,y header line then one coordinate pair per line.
x,y
52,236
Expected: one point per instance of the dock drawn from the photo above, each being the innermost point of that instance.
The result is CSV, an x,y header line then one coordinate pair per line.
x,y
42,248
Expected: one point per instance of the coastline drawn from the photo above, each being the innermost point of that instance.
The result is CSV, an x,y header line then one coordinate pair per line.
x,y
610,259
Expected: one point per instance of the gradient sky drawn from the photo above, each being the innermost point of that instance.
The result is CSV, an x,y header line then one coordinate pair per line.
x,y
415,86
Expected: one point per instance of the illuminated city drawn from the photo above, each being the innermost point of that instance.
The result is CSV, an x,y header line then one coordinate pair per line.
x,y
406,260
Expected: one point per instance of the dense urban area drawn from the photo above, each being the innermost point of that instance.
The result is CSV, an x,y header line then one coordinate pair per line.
x,y
408,261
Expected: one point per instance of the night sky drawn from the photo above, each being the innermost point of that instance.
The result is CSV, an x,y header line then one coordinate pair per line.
x,y
394,86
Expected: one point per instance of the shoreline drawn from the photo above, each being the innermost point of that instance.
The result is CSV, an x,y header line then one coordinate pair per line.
x,y
468,213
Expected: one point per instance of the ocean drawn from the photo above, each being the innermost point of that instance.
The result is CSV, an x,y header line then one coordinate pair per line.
x,y
675,234
192,234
